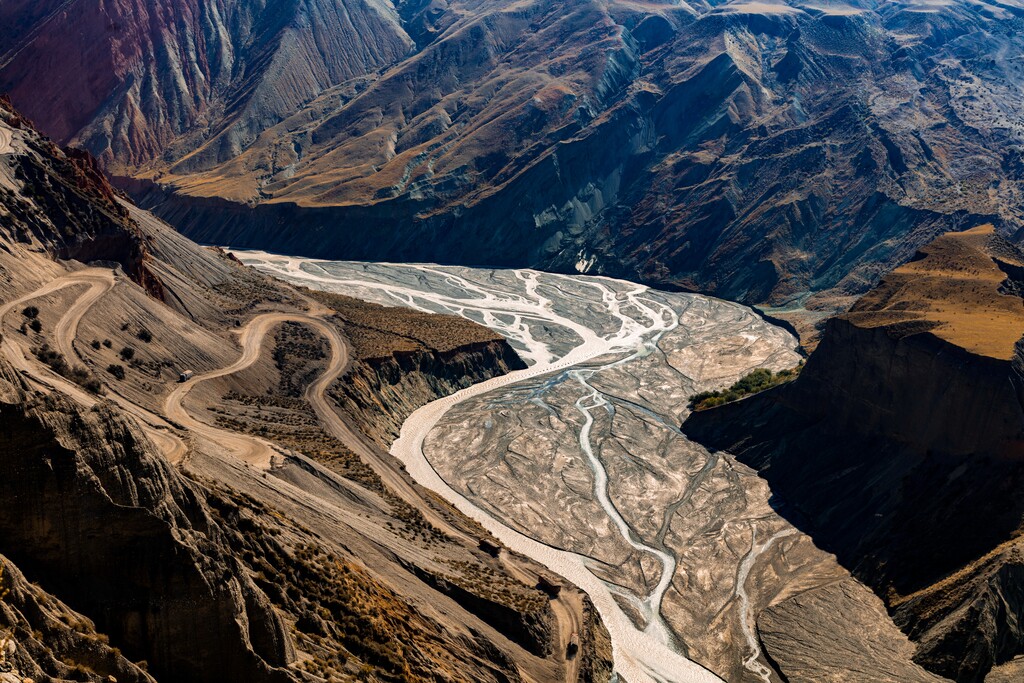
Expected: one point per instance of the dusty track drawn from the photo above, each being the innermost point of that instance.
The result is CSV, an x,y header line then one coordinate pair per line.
x,y
260,453
252,450
255,451
18,354
99,282
568,608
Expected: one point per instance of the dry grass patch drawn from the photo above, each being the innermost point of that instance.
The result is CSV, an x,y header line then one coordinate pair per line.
x,y
956,288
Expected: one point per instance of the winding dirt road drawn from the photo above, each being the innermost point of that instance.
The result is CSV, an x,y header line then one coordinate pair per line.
x,y
260,453
252,450
255,451
568,608
99,281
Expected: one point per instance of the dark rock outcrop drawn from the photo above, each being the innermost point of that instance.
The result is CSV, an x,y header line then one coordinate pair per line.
x,y
381,392
901,448
44,639
67,206
529,625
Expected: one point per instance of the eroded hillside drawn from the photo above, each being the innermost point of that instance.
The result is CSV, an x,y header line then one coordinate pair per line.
x,y
239,525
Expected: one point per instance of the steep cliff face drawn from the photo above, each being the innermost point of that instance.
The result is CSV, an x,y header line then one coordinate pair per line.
x,y
901,448
759,151
382,392
401,359
88,510
61,202
44,639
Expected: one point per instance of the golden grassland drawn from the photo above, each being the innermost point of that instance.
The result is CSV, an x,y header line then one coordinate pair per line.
x,y
953,288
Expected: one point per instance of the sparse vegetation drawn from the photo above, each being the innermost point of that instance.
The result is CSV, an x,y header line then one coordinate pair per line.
x,y
378,332
751,383
298,355
345,619
289,422
56,362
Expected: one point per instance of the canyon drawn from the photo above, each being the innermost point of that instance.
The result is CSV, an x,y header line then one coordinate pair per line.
x,y
456,398
578,462
182,500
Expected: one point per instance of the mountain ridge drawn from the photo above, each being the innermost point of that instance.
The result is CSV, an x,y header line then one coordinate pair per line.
x,y
770,153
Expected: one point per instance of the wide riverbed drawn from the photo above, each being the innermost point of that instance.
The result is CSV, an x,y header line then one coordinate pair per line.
x,y
578,461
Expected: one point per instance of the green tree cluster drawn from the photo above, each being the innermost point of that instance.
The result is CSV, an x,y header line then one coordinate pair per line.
x,y
751,383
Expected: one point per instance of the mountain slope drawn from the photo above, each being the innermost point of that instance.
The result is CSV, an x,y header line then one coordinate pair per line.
x,y
759,151
238,526
166,78
899,448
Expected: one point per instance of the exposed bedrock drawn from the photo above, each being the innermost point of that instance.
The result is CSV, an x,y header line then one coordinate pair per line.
x,y
381,392
42,638
139,79
91,513
901,449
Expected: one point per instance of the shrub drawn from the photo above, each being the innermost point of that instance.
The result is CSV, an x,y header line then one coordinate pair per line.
x,y
36,325
92,385
116,370
127,353
51,358
107,343
145,335
30,312
95,343
752,383
56,362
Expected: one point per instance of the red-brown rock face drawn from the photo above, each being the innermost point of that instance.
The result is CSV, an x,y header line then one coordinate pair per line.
x,y
129,78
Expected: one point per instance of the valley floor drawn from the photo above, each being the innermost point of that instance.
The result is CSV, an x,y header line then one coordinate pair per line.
x,y
578,463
